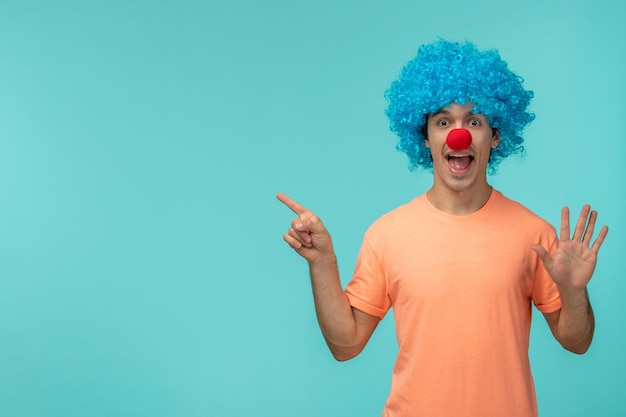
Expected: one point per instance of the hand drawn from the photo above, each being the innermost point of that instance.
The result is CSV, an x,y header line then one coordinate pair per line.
x,y
572,264
307,235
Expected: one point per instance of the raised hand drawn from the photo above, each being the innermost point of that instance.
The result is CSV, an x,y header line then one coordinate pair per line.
x,y
307,235
572,264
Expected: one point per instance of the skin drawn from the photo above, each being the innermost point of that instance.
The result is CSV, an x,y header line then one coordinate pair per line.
x,y
453,192
345,329
458,192
571,268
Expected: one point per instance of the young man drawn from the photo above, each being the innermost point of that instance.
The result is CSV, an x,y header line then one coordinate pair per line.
x,y
462,264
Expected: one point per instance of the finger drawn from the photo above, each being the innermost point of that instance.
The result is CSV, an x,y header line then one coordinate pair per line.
x,y
292,241
600,239
564,235
310,223
303,236
300,224
591,224
543,255
295,240
579,231
292,204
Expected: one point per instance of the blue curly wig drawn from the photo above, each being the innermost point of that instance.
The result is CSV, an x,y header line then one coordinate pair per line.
x,y
445,72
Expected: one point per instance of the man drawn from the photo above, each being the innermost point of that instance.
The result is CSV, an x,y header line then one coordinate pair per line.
x,y
461,264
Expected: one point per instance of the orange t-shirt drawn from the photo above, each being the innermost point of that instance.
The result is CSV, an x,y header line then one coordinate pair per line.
x,y
461,289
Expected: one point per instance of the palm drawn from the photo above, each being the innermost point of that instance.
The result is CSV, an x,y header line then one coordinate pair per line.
x,y
573,263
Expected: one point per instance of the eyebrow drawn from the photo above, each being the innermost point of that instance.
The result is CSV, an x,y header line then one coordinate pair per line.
x,y
446,112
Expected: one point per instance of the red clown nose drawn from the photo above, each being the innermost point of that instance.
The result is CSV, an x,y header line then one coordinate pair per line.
x,y
459,139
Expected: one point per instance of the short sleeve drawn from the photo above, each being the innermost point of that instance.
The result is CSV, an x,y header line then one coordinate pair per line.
x,y
545,293
367,291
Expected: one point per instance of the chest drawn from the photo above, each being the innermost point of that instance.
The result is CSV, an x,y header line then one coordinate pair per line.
x,y
454,263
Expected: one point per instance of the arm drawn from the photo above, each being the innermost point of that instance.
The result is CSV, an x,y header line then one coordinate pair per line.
x,y
573,325
571,267
345,329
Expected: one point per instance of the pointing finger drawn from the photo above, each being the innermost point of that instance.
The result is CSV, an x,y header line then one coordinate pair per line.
x,y
292,204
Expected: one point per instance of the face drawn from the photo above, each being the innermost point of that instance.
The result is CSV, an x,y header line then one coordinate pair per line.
x,y
460,170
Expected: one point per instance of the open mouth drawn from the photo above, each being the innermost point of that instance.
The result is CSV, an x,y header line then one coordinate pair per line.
x,y
459,163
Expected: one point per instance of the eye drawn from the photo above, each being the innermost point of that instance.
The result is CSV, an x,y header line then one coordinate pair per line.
x,y
475,122
442,122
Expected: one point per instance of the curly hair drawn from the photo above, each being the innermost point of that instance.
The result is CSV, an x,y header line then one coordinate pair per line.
x,y
445,72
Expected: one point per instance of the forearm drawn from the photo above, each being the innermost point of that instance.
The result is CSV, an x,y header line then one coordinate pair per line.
x,y
346,330
334,313
576,321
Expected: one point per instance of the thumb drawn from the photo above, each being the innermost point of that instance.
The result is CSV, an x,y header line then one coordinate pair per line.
x,y
311,229
309,223
543,254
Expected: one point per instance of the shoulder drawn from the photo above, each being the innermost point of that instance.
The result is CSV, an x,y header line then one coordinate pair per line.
x,y
518,215
398,218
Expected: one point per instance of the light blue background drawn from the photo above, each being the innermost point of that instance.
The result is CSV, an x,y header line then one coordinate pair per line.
x,y
142,268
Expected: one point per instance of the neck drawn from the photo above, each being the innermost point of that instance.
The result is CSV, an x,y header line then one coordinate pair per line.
x,y
459,203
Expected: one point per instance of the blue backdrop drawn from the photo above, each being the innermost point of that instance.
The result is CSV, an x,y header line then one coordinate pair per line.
x,y
142,268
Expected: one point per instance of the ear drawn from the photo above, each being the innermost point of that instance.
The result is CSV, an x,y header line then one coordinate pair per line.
x,y
495,140
424,131
425,134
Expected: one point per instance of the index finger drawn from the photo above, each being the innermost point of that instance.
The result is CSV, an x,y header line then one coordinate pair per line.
x,y
292,204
